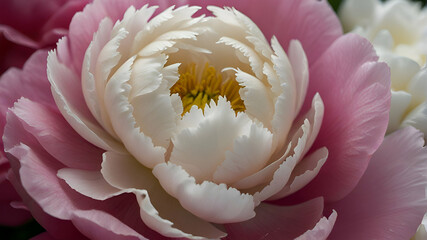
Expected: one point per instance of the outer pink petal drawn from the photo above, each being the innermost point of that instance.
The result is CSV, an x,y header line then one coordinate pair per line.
x,y
389,202
57,137
99,225
356,93
50,199
278,222
57,228
32,83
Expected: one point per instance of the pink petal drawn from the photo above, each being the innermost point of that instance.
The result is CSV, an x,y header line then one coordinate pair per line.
x,y
278,222
18,38
57,137
356,93
99,225
58,229
30,82
52,202
322,229
389,201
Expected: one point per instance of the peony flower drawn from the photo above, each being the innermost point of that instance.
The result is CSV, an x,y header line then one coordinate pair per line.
x,y
168,123
25,27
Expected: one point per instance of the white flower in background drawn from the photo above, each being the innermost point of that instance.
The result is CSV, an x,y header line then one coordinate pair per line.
x,y
398,31
396,27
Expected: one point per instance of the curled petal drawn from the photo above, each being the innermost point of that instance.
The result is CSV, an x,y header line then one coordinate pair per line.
x,y
209,201
278,222
357,96
322,229
158,210
200,148
70,101
124,124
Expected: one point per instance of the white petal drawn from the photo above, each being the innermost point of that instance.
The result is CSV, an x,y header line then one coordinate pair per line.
x,y
120,110
402,71
400,101
417,118
89,183
133,21
315,117
322,229
263,176
166,21
249,53
201,148
357,13
159,211
256,97
89,83
146,75
282,175
256,37
303,173
68,96
156,117
299,64
285,104
418,87
384,40
156,47
106,61
209,201
249,155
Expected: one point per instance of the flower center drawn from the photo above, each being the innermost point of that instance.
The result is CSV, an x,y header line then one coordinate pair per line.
x,y
199,91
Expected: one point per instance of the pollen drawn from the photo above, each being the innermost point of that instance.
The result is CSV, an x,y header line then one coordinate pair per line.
x,y
199,91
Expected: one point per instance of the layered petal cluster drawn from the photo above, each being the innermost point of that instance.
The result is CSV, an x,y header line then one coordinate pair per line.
x,y
162,122
25,28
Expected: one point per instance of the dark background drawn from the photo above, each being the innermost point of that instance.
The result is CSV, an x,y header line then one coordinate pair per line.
x,y
32,228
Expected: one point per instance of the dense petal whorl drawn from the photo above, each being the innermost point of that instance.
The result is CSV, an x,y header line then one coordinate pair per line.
x,y
200,122
205,102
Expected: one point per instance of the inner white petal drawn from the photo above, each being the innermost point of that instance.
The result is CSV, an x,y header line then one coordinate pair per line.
x,y
249,155
199,149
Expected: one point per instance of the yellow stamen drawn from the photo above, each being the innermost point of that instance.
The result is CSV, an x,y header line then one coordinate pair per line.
x,y
199,92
